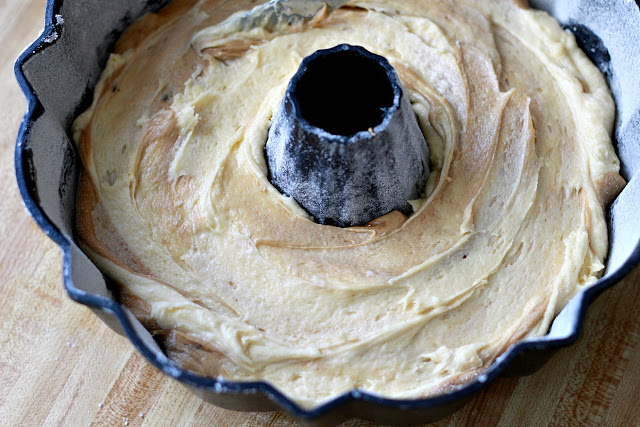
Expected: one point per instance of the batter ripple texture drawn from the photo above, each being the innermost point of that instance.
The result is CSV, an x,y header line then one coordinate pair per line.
x,y
235,280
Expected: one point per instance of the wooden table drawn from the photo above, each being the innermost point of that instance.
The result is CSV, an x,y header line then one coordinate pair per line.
x,y
59,365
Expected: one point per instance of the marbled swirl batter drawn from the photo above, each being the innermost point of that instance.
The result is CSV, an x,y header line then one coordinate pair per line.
x,y
237,281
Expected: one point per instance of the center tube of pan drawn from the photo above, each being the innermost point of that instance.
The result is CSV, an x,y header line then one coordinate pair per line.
x,y
345,142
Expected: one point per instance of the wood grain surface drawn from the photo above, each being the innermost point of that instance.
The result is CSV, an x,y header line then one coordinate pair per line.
x,y
59,365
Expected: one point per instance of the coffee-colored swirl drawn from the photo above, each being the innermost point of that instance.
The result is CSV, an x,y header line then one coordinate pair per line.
x,y
175,203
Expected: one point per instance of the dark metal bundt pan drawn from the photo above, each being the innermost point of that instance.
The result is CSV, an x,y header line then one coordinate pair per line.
x,y
57,74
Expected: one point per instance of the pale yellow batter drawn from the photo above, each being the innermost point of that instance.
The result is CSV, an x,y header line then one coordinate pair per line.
x,y
237,281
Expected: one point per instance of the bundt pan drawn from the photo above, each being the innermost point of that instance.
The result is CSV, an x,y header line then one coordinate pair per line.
x,y
57,75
